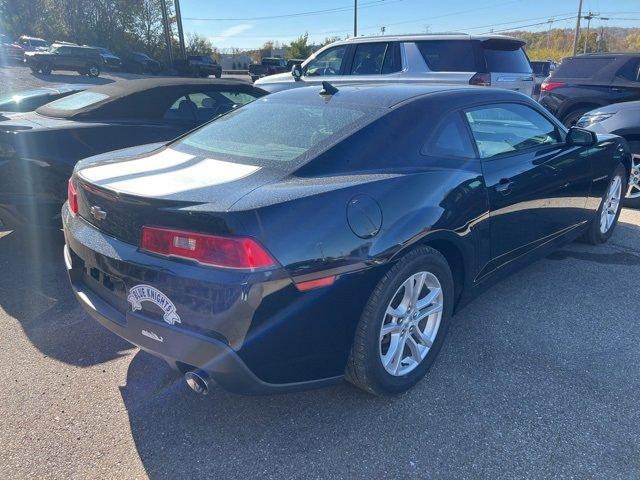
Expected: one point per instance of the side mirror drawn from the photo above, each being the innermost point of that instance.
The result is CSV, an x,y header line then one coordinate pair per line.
x,y
581,137
296,71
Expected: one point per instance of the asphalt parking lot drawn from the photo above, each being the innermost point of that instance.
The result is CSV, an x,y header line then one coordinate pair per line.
x,y
539,378
14,78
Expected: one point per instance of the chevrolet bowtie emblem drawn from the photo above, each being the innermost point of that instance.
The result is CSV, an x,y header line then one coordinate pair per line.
x,y
98,213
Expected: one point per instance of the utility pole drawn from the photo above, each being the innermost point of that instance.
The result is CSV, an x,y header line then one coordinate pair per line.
x,y
382,29
575,40
588,18
183,50
355,18
167,34
550,21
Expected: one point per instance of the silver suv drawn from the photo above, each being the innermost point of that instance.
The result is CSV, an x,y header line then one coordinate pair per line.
x,y
485,60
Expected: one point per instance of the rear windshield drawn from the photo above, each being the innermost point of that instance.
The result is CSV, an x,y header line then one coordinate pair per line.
x,y
581,67
251,133
449,55
77,101
504,58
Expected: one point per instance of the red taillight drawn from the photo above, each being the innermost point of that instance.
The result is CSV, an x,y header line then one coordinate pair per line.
x,y
225,252
72,196
481,79
548,86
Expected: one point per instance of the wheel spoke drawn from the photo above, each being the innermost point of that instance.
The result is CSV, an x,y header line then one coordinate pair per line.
x,y
390,328
396,356
418,351
429,298
417,287
398,312
430,310
421,337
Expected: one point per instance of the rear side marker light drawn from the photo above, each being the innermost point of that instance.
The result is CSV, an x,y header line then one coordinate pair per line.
x,y
72,197
313,284
217,251
548,86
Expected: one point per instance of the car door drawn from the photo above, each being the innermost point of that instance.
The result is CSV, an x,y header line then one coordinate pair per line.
x,y
537,185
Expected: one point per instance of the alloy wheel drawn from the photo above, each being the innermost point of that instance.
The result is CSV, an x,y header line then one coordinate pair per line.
x,y
93,71
634,179
611,204
411,323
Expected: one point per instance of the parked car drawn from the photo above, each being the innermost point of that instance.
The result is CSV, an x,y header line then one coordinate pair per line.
x,y
109,59
38,150
138,62
84,60
267,66
485,60
621,119
294,61
32,44
541,70
199,66
10,52
29,100
585,82
272,259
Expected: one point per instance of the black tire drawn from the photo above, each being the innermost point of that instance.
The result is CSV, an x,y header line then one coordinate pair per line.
x,y
45,68
570,119
364,366
218,75
594,234
93,70
35,69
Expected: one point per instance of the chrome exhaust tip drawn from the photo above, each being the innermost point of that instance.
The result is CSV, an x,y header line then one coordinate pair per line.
x,y
198,381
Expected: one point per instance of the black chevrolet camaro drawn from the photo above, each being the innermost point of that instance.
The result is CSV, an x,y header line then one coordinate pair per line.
x,y
319,234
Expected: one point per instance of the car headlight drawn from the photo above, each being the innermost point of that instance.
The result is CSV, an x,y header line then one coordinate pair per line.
x,y
590,119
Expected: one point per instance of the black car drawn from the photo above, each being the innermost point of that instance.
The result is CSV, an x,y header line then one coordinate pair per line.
x,y
29,100
84,60
138,62
110,59
621,119
318,233
38,150
586,82
199,66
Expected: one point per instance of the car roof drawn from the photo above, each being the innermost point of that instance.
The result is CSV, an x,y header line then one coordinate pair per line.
x,y
428,36
384,95
143,98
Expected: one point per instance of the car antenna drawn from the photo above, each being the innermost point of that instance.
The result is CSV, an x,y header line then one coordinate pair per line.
x,y
328,89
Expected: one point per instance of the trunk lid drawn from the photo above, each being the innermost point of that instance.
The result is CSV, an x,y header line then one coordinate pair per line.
x,y
166,188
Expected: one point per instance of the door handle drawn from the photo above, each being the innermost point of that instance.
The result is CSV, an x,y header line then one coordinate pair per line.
x,y
504,187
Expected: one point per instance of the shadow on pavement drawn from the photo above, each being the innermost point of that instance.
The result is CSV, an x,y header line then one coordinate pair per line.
x,y
72,78
35,291
534,377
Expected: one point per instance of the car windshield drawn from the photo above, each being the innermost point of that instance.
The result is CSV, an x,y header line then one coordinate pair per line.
x,y
38,43
250,133
77,101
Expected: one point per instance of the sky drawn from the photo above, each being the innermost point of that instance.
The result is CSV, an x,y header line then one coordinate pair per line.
x,y
242,23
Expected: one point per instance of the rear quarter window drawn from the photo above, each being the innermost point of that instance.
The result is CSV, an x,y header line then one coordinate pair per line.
x,y
585,67
449,55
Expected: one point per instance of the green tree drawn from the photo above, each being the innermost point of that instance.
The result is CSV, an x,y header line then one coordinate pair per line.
x,y
200,45
299,48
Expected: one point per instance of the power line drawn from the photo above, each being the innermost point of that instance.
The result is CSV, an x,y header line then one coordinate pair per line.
x,y
372,3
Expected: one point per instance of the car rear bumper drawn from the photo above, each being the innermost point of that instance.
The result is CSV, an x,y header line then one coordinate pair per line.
x,y
102,270
182,350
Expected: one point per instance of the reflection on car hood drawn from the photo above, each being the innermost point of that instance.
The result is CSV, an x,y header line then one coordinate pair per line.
x,y
617,107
